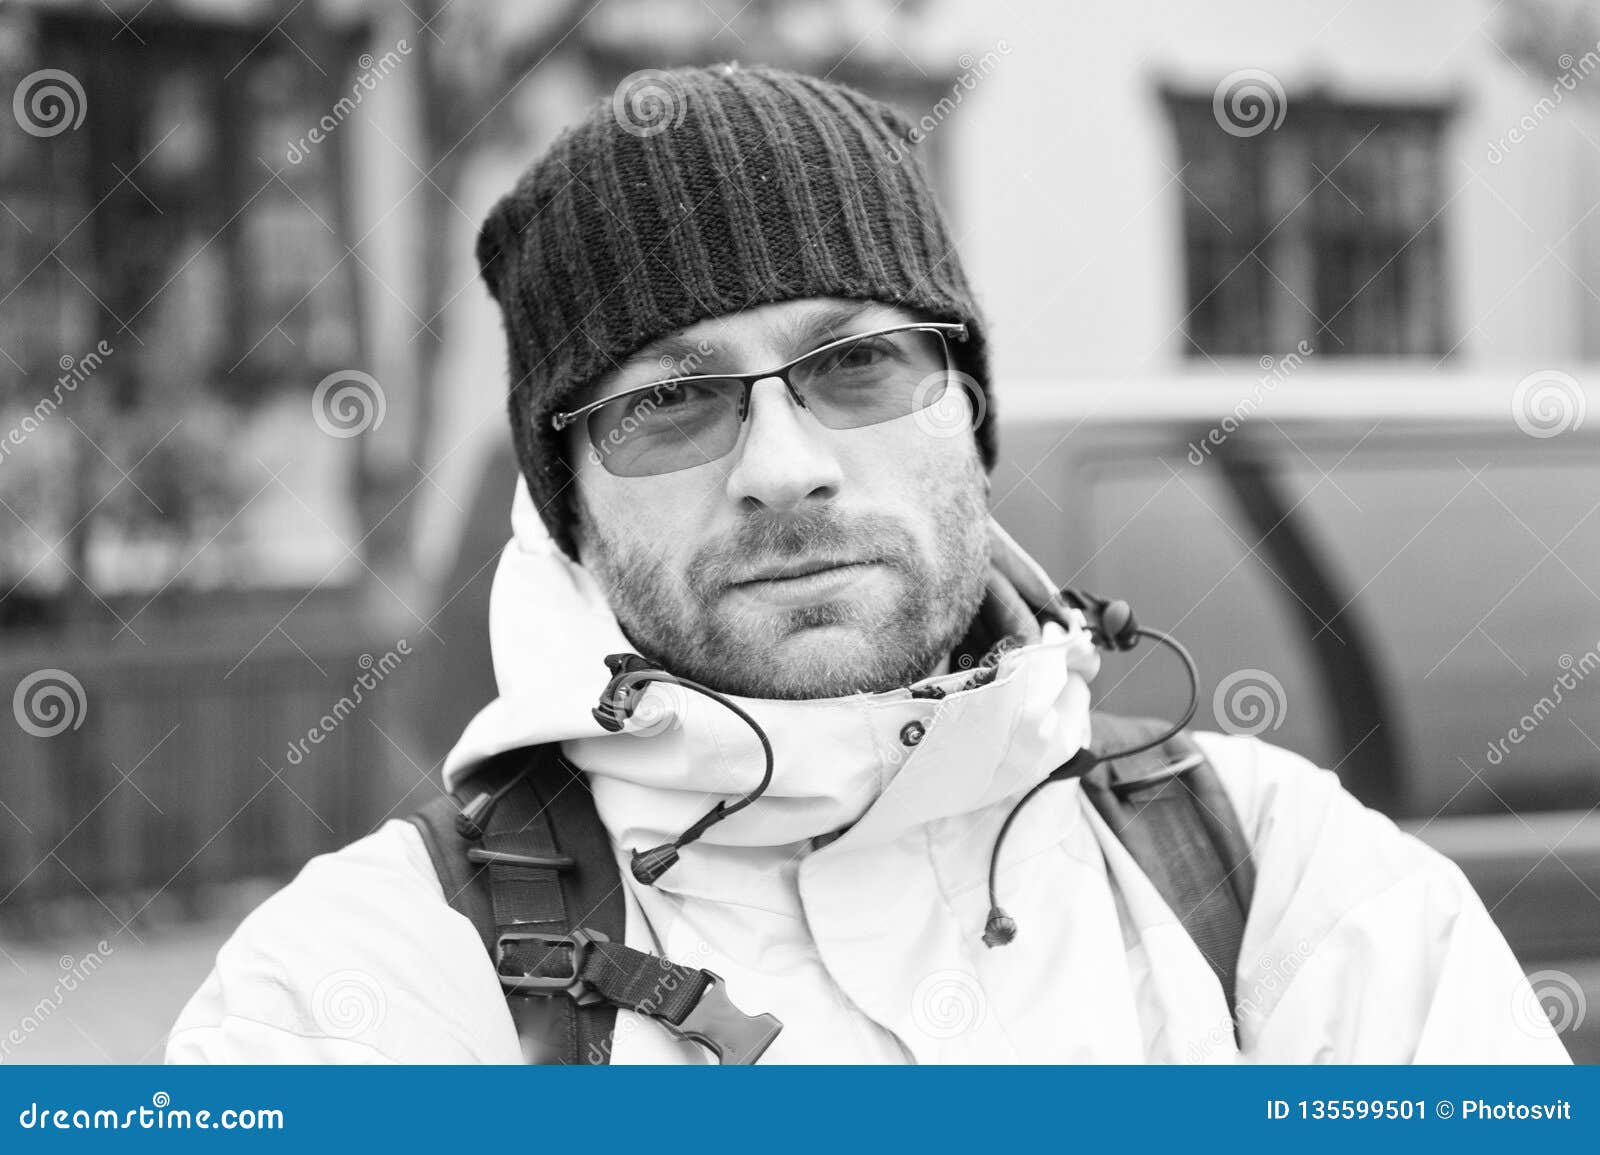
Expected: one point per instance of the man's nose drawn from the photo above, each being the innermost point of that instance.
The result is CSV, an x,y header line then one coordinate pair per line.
x,y
786,459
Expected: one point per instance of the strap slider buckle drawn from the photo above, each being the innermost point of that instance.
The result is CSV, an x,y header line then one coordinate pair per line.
x,y
1163,773
570,983
514,858
730,1034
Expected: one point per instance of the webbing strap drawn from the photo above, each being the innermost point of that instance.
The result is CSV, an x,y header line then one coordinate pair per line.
x,y
645,982
551,796
1182,831
523,894
550,910
496,897
629,978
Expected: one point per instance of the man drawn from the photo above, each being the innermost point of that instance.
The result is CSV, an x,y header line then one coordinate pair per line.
x,y
750,400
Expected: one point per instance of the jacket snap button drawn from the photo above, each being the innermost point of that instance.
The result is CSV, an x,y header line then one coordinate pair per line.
x,y
911,733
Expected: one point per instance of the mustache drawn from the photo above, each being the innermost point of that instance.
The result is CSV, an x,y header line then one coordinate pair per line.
x,y
767,541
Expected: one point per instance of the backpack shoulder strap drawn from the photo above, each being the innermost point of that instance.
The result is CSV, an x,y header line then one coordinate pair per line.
x,y
447,850
1168,807
543,795
528,861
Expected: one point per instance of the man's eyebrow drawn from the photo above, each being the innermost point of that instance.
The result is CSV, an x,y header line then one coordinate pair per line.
x,y
674,347
826,324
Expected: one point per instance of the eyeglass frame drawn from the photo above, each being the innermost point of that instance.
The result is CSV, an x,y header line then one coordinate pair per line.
x,y
945,329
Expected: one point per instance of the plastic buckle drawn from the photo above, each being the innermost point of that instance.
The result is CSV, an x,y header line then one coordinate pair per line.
x,y
570,984
730,1034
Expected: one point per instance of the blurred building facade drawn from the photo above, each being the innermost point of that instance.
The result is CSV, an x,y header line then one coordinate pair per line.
x,y
232,263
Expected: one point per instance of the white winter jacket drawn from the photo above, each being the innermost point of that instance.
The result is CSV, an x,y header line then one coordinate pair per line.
x,y
1362,944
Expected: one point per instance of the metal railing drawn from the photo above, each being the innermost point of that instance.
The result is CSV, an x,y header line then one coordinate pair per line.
x,y
183,763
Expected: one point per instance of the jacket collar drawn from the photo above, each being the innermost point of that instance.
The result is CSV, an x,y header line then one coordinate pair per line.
x,y
1013,706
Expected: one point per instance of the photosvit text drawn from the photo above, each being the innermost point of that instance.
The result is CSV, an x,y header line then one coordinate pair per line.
x,y
1466,1109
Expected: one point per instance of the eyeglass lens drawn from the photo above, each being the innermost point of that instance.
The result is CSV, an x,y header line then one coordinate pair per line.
x,y
680,424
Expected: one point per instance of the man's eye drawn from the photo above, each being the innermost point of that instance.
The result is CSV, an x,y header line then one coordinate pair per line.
x,y
861,355
685,396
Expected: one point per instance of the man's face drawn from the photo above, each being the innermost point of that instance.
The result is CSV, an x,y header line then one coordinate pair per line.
x,y
808,562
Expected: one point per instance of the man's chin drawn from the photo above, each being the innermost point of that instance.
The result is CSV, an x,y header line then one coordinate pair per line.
x,y
824,656
888,632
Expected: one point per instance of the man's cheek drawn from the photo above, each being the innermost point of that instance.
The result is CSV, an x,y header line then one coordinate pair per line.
x,y
930,483
616,515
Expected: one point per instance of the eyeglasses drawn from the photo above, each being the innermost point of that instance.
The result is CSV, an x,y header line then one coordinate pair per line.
x,y
853,382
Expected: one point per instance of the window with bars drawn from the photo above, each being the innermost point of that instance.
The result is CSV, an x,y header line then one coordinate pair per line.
x,y
169,227
1325,229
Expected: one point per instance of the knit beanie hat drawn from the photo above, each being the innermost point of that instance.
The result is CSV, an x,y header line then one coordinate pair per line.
x,y
698,192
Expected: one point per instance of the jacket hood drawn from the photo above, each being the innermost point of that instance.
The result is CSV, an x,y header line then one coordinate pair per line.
x,y
551,627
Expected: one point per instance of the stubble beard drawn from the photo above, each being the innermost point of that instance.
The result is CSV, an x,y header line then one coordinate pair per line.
x,y
688,624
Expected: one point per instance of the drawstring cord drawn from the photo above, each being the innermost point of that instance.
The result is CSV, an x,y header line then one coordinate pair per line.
x,y
1000,928
632,674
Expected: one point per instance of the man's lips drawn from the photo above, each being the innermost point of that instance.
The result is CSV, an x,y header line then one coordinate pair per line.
x,y
805,583
799,568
